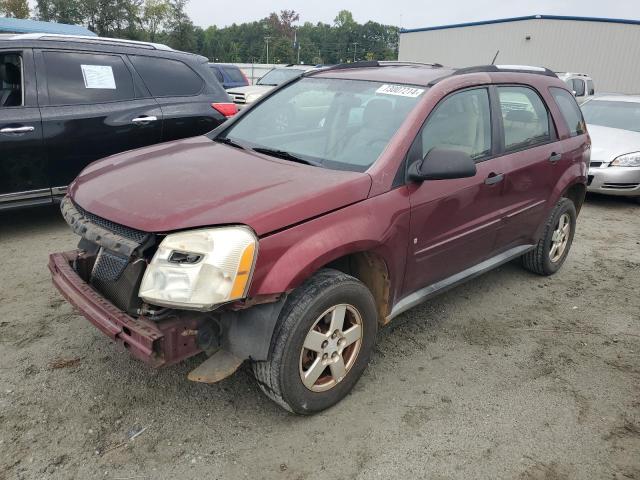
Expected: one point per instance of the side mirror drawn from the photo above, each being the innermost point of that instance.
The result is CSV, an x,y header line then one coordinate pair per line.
x,y
443,164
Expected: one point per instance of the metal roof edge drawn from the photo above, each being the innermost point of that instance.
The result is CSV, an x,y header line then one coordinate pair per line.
x,y
519,19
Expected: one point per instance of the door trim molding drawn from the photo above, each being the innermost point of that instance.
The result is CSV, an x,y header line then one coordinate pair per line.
x,y
56,191
430,291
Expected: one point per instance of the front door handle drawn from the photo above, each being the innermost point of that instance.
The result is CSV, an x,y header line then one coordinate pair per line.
x,y
494,178
144,119
555,157
17,130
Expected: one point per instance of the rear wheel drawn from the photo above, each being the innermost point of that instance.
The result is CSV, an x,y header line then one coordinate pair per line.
x,y
552,249
322,343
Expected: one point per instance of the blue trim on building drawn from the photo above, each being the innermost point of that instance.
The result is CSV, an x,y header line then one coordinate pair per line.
x,y
19,25
519,19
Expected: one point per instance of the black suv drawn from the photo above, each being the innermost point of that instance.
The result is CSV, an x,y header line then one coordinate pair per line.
x,y
67,101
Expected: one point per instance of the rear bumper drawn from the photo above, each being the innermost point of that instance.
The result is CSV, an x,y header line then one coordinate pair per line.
x,y
156,343
623,181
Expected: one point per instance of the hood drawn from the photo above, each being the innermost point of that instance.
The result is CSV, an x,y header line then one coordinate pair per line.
x,y
197,182
608,143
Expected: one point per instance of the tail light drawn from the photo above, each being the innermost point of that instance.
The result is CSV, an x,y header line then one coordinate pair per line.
x,y
226,109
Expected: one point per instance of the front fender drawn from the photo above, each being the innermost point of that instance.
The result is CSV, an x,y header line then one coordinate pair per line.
x,y
379,225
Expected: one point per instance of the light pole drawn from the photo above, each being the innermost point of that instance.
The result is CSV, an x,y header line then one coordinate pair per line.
x,y
355,49
266,39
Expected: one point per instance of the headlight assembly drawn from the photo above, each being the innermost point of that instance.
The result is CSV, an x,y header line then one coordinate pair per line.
x,y
627,160
200,269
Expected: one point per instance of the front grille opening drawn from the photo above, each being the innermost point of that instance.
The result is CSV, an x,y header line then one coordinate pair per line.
x,y
130,233
621,186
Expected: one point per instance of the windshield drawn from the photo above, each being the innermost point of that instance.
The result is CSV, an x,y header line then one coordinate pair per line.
x,y
338,124
614,114
278,76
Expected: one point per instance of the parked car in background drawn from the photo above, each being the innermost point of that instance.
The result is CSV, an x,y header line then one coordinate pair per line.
x,y
229,76
614,125
580,84
289,249
66,101
246,95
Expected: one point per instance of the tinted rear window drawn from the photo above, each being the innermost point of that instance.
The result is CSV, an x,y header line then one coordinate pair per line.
x,y
570,110
234,74
84,78
218,74
167,78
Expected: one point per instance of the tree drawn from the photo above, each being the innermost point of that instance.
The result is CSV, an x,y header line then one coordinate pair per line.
x,y
180,28
61,11
155,16
15,8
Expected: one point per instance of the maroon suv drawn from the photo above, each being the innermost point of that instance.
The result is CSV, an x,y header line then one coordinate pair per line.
x,y
290,244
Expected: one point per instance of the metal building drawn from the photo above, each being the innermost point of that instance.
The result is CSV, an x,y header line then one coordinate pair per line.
x,y
606,49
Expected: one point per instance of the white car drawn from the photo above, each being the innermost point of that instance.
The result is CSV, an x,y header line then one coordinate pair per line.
x,y
580,83
613,122
243,96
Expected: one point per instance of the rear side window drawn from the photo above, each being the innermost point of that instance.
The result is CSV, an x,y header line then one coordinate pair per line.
x,y
578,87
590,87
461,122
524,116
167,78
84,78
234,74
570,110
218,74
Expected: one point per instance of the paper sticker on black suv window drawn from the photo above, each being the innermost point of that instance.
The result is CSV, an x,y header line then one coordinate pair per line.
x,y
98,76
400,90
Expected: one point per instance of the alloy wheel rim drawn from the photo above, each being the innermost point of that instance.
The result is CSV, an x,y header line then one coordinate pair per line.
x,y
331,347
560,238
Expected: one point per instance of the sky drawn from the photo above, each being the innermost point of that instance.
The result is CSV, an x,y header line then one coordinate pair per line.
x,y
406,13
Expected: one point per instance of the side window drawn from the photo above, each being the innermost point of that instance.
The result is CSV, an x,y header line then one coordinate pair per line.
x,y
460,122
524,116
84,78
218,74
570,110
167,78
590,87
578,87
11,91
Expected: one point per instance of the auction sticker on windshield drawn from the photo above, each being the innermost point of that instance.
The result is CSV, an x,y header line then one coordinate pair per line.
x,y
400,90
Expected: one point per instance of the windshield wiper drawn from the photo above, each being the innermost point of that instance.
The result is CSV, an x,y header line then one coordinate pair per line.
x,y
228,141
284,155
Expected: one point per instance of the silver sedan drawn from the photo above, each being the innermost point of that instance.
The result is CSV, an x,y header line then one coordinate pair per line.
x,y
613,122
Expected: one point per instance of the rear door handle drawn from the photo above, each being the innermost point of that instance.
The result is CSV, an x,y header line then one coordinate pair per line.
x,y
17,130
555,157
494,178
144,119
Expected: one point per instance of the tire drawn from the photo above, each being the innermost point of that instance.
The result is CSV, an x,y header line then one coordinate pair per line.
x,y
541,259
281,377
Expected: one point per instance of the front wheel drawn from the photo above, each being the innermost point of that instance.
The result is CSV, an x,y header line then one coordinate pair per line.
x,y
322,343
552,249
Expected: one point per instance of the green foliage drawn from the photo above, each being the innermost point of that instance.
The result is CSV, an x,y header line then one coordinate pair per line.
x,y
14,8
166,21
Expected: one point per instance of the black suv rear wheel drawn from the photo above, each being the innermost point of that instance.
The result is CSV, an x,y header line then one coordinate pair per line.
x,y
322,343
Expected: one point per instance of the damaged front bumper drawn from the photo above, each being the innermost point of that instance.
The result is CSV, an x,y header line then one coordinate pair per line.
x,y
157,343
229,336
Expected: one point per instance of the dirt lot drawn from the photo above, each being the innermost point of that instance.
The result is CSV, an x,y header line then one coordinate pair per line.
x,y
510,376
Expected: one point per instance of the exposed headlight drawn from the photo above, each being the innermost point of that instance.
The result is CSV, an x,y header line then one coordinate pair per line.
x,y
627,160
200,269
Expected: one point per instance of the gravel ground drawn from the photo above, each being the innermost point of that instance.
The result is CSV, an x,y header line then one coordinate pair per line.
x,y
510,376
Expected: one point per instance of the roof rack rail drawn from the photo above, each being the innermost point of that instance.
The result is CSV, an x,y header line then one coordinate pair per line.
x,y
401,63
369,64
506,68
88,39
